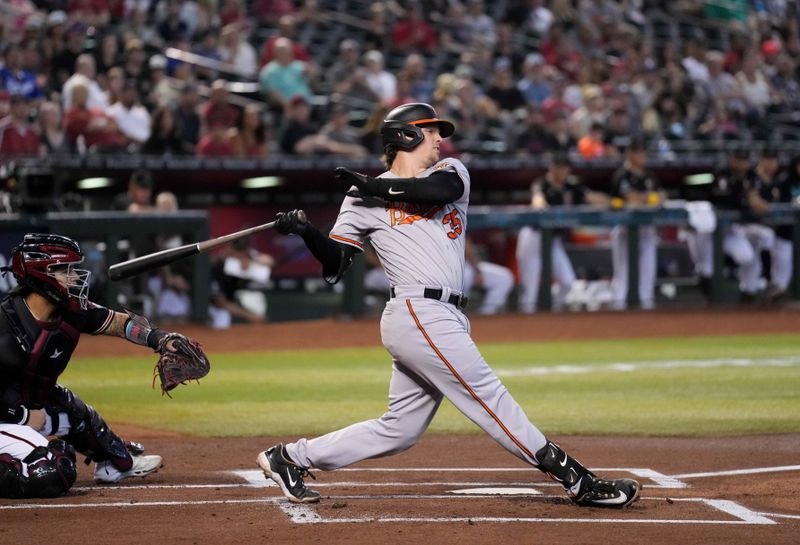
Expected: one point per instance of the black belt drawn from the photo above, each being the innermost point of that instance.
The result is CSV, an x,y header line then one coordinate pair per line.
x,y
458,301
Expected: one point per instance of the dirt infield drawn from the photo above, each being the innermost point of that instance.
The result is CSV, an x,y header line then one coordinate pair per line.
x,y
447,488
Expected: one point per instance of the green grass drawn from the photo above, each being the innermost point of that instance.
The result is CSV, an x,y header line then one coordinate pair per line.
x,y
311,392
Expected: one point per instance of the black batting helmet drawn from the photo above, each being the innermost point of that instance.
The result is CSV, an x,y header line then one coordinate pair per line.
x,y
401,128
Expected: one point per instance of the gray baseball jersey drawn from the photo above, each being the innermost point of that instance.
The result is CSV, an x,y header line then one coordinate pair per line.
x,y
416,243
433,355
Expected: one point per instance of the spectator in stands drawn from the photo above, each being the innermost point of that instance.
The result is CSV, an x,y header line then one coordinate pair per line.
x,y
51,129
218,107
132,118
786,84
509,46
164,138
562,138
230,12
531,16
592,145
244,277
496,281
137,26
115,81
301,136
533,85
343,67
172,27
455,32
161,89
94,13
479,22
63,62
413,32
107,55
721,84
90,128
696,57
377,35
415,72
207,45
14,79
236,50
216,142
133,64
18,137
286,29
556,188
139,194
284,77
187,119
269,12
592,111
382,82
53,41
532,138
249,137
85,74
503,90
338,129
755,86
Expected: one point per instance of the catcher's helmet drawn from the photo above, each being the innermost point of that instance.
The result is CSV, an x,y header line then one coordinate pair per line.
x,y
401,128
46,264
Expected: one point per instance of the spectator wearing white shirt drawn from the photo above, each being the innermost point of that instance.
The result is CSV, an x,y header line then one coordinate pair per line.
x,y
236,50
382,83
132,118
85,73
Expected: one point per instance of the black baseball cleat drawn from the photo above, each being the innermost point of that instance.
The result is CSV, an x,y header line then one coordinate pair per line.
x,y
615,493
289,476
582,486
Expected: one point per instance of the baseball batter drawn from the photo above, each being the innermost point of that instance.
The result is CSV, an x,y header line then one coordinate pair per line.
x,y
634,186
415,216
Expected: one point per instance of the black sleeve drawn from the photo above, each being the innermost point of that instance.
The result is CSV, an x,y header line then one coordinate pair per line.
x,y
13,414
439,188
335,257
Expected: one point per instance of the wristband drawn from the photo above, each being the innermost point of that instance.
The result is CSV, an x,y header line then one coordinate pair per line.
x,y
18,414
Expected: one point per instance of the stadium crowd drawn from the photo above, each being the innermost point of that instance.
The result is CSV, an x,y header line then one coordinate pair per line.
x,y
254,78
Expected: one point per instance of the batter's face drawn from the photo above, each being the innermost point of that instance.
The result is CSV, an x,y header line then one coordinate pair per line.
x,y
428,149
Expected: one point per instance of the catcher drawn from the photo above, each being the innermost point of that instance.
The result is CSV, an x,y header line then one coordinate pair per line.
x,y
41,321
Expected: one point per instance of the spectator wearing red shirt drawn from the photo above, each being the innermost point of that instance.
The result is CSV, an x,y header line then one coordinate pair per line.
x,y
217,108
216,142
90,12
98,130
18,137
286,26
413,33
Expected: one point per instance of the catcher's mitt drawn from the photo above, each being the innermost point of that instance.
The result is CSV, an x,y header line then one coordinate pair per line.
x,y
182,359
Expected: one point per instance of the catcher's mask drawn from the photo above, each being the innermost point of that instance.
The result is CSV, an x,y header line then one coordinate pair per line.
x,y
46,264
401,128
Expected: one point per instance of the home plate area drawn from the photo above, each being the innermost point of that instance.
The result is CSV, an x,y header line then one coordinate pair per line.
x,y
502,495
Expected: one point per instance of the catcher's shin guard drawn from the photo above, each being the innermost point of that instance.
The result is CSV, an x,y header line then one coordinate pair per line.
x,y
581,485
89,433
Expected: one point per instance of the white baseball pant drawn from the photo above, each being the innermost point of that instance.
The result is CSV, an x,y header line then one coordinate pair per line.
x,y
648,248
529,262
497,282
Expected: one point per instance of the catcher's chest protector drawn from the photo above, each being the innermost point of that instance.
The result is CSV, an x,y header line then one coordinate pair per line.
x,y
47,347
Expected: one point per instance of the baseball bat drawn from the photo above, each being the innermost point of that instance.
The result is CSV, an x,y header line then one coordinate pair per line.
x,y
148,262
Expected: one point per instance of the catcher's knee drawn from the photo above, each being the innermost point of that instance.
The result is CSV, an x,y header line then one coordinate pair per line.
x,y
51,470
46,472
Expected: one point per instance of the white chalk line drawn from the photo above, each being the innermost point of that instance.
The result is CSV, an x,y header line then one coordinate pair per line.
x,y
627,367
751,471
305,514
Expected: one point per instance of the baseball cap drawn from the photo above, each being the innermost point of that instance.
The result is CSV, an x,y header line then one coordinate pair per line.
x,y
157,62
57,17
638,142
560,158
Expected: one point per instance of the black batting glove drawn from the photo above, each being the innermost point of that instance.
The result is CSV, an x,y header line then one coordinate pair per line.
x,y
291,223
366,184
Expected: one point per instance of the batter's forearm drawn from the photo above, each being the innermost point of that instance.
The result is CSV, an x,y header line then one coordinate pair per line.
x,y
329,253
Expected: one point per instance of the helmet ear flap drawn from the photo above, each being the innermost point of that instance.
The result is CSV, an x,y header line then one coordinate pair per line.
x,y
401,135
